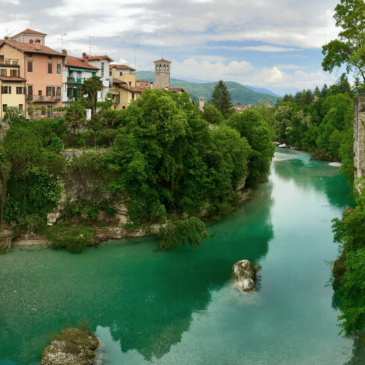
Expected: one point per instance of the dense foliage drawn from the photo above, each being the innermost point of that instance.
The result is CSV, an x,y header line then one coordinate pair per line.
x,y
320,124
170,163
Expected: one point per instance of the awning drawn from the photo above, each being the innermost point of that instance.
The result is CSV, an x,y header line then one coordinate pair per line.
x,y
81,69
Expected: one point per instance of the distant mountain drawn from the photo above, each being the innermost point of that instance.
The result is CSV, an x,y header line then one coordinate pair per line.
x,y
262,90
240,94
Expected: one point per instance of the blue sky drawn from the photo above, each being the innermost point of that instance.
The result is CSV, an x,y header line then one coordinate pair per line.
x,y
262,43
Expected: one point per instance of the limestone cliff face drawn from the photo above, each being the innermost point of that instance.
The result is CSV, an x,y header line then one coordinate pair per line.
x,y
359,137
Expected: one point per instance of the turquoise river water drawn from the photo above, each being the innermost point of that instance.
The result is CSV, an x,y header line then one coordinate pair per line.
x,y
181,306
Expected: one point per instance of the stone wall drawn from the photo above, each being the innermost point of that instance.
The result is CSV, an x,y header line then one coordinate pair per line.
x,y
359,137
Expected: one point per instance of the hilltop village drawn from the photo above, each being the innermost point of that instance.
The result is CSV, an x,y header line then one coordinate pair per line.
x,y
33,74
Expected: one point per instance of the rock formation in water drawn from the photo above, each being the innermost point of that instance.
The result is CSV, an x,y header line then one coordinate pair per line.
x,y
71,347
245,273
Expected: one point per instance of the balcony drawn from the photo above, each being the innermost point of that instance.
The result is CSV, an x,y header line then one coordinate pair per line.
x,y
72,80
43,99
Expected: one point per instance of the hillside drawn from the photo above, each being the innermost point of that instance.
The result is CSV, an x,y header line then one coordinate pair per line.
x,y
240,94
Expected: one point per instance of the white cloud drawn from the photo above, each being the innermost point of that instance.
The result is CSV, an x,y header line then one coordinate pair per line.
x,y
14,2
290,67
244,73
262,49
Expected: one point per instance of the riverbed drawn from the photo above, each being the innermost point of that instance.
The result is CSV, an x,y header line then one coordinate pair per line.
x,y
181,306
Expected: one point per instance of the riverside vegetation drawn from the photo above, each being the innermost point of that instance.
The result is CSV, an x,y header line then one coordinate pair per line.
x,y
174,166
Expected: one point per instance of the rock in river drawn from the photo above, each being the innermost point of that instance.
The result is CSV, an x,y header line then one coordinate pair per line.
x,y
245,274
282,145
71,347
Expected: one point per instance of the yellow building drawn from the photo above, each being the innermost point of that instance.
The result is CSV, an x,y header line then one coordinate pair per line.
x,y
12,86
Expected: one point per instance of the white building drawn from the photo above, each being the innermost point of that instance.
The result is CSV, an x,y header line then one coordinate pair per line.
x,y
201,102
102,63
74,73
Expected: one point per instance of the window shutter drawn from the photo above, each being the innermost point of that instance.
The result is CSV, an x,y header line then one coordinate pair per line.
x,y
9,89
6,72
50,68
25,91
2,89
46,90
54,91
17,90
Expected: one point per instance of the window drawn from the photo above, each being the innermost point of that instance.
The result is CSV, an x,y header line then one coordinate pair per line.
x,y
120,73
14,73
102,69
4,107
40,92
123,107
49,57
30,54
30,66
79,75
21,107
130,84
50,68
1,59
2,72
133,96
31,41
30,89
58,91
5,89
19,90
58,69
110,73
49,90
70,92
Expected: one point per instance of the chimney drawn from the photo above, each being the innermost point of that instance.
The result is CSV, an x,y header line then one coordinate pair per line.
x,y
6,38
64,52
37,44
86,58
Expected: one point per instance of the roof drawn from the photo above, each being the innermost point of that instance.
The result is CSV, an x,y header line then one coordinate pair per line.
x,y
28,31
75,62
30,48
176,89
122,67
117,81
12,79
99,58
162,60
201,96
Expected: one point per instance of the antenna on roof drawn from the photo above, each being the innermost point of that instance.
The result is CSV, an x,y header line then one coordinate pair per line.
x,y
90,36
7,32
61,39
135,56
31,23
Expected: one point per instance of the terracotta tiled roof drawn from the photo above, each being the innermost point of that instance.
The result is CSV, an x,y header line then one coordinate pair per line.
x,y
12,79
99,58
145,85
176,89
131,88
122,67
117,81
75,62
162,60
28,31
201,96
28,47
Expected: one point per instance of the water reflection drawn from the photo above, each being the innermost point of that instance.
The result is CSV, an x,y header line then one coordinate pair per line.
x,y
145,297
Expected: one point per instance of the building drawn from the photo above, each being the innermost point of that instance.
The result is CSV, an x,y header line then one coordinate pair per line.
x,y
74,73
201,102
30,36
12,86
102,63
39,71
240,108
162,73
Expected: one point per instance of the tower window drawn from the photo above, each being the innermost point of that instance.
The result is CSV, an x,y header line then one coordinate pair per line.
x,y
31,41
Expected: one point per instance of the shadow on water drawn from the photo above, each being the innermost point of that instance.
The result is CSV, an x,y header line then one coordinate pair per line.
x,y
145,297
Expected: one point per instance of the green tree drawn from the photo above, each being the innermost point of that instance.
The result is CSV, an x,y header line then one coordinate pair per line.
x,y
324,91
91,87
349,49
110,116
251,125
221,99
75,115
317,92
308,97
95,124
14,114
212,115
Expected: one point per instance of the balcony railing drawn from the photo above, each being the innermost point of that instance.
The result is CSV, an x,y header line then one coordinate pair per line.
x,y
43,99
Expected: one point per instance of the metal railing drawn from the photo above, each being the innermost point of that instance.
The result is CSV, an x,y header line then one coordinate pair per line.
x,y
43,99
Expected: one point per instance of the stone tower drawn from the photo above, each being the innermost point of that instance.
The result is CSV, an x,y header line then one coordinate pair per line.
x,y
201,102
162,73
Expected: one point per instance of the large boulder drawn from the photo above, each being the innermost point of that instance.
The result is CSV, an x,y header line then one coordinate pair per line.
x,y
71,347
245,273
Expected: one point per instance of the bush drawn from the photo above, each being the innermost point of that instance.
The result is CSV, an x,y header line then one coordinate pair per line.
x,y
74,238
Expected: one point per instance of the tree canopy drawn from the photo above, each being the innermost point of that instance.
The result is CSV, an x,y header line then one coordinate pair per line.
x,y
221,99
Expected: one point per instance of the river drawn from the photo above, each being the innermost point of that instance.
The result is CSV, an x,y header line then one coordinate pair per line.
x,y
181,306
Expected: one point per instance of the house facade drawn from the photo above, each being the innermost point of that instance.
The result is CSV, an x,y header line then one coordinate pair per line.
x,y
74,74
40,69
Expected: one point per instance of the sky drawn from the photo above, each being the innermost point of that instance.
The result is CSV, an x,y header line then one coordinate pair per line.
x,y
275,45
